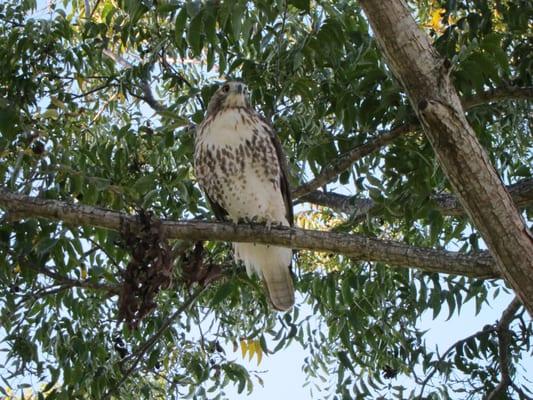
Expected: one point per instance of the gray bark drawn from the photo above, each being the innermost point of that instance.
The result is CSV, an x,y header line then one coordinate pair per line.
x,y
447,204
357,247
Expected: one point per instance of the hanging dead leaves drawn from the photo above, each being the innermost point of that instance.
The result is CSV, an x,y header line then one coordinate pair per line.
x,y
150,269
195,270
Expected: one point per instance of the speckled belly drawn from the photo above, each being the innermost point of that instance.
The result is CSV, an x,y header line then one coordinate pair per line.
x,y
243,176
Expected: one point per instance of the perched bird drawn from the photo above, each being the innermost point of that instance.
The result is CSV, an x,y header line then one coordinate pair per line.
x,y
240,165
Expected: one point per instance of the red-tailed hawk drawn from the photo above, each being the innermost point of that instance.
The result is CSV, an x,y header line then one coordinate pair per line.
x,y
239,163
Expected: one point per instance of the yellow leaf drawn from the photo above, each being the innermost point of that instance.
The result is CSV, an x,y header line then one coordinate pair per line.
x,y
436,17
58,103
80,81
259,352
244,347
17,269
251,349
83,272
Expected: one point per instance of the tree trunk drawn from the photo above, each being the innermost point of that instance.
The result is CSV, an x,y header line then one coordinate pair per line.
x,y
425,77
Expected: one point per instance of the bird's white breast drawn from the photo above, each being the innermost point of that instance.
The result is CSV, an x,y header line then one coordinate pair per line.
x,y
237,165
228,128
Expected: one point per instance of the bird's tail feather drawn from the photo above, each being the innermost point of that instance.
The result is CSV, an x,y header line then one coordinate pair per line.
x,y
272,264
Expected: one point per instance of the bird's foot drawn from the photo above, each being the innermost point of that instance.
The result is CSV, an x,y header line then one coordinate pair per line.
x,y
270,224
248,221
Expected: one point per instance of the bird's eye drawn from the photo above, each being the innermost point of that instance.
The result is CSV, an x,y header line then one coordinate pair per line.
x,y
225,88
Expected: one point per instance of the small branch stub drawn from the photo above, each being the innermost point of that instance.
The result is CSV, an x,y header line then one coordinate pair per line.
x,y
423,104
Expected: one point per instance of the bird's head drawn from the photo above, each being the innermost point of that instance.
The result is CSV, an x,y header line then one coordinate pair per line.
x,y
230,94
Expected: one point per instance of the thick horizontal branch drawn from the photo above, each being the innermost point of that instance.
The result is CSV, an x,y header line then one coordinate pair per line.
x,y
357,247
448,204
346,160
521,192
352,205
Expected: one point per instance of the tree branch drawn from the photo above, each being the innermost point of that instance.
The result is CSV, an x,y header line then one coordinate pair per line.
x,y
149,343
447,204
498,94
70,283
353,205
503,332
484,331
357,247
428,84
346,160
148,96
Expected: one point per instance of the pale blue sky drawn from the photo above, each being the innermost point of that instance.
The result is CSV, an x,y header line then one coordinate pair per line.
x,y
284,378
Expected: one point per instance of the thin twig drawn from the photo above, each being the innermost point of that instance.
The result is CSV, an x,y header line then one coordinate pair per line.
x,y
148,96
346,160
103,108
108,255
93,90
117,58
148,344
94,8
502,329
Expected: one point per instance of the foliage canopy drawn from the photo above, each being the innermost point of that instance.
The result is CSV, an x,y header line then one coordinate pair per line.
x,y
98,101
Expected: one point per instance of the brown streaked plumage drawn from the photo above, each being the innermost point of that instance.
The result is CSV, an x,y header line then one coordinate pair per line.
x,y
240,165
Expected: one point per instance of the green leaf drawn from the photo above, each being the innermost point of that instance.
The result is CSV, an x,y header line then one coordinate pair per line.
x,y
236,21
179,24
346,291
166,7
303,5
101,184
194,34
345,361
45,245
51,113
193,7
144,184
222,293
